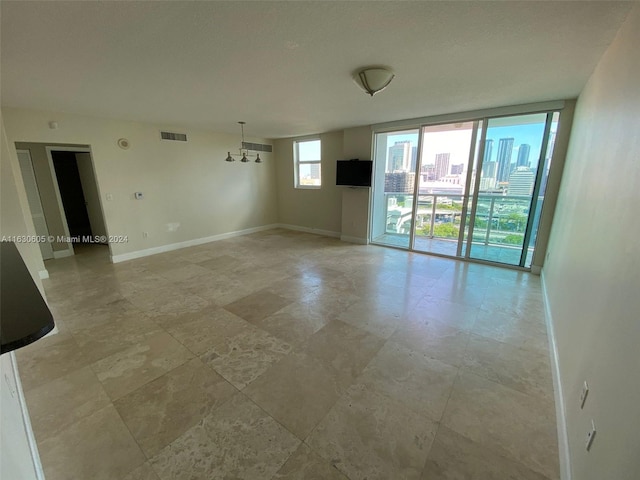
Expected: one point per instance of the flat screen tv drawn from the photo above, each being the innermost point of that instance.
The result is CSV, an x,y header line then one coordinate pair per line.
x,y
354,173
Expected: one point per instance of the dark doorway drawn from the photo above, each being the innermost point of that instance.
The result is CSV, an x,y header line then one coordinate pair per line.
x,y
73,201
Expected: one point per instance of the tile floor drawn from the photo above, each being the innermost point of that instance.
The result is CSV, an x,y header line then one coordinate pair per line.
x,y
284,355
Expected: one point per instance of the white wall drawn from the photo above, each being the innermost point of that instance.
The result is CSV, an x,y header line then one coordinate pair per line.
x,y
592,276
355,201
186,185
313,209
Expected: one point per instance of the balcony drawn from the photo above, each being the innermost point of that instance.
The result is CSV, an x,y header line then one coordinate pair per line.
x,y
498,234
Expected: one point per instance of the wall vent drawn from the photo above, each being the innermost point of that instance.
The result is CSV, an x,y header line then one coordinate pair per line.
x,y
178,137
257,147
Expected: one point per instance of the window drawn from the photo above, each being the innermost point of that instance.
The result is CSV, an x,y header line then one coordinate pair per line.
x,y
306,158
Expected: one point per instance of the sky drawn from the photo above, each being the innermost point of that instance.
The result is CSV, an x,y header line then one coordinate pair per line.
x,y
456,141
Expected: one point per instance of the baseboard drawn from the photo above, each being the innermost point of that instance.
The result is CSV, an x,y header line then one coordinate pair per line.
x,y
561,419
44,274
316,231
63,253
188,243
350,239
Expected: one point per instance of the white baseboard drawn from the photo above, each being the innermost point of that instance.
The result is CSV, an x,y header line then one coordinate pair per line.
x,y
316,231
188,243
63,253
44,274
561,419
350,239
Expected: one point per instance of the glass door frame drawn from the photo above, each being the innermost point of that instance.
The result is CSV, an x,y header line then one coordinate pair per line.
x,y
480,119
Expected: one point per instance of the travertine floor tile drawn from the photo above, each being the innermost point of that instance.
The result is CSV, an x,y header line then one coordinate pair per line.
x,y
295,323
416,381
210,327
243,357
453,314
98,447
358,350
346,349
432,338
53,358
125,371
143,472
525,329
238,440
298,391
369,436
257,306
114,336
306,465
527,371
509,422
162,410
454,457
59,403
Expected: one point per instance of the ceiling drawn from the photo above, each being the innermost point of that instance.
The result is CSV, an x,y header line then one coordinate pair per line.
x,y
285,67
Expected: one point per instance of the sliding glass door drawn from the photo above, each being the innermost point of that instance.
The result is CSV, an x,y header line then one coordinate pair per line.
x,y
471,189
396,155
442,190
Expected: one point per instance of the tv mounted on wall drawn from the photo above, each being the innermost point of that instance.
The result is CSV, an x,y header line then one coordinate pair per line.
x,y
354,173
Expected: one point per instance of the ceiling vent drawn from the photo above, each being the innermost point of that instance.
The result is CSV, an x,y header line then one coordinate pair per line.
x,y
178,137
257,147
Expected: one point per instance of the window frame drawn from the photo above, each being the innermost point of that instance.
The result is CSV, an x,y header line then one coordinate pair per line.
x,y
297,163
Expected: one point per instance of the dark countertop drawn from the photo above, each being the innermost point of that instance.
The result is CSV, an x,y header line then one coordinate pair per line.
x,y
24,315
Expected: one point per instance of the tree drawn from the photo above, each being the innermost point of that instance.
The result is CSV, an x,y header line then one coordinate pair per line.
x,y
513,239
445,230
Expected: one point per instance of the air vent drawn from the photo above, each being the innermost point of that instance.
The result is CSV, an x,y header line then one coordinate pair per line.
x,y
178,137
257,147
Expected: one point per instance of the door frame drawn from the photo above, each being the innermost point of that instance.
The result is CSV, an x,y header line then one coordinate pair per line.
x,y
55,148
26,151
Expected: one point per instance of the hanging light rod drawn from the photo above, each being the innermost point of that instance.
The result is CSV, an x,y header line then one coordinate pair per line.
x,y
244,152
373,79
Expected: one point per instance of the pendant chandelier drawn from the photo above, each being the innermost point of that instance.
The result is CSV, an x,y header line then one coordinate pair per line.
x,y
244,152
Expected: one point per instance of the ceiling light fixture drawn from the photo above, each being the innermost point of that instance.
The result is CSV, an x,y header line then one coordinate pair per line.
x,y
244,152
373,79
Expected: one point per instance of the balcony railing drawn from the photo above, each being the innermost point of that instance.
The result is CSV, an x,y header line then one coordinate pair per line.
x,y
500,219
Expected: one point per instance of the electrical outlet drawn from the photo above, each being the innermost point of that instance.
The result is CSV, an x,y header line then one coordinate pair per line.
x,y
145,234
109,197
584,393
590,436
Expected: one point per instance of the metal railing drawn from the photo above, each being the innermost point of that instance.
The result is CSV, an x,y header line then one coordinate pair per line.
x,y
499,220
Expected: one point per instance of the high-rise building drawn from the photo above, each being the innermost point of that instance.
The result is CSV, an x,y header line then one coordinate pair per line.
x,y
488,150
521,181
315,170
505,149
523,155
442,165
399,158
457,169
428,172
399,182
